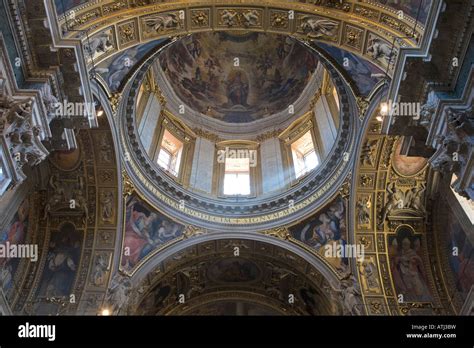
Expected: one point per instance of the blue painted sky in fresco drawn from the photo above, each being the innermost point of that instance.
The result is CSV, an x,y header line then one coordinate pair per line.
x,y
364,74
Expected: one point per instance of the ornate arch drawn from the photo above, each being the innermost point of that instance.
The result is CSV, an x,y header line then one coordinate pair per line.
x,y
276,257
388,197
351,25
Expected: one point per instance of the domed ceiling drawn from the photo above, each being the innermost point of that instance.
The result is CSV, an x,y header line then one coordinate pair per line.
x,y
238,78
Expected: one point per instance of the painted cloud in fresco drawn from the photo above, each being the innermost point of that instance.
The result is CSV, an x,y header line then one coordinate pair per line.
x,y
238,78
364,74
114,69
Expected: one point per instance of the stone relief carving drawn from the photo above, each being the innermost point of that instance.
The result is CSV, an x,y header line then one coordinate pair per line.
x,y
240,18
50,101
99,44
381,50
66,193
250,18
427,111
414,198
281,233
21,134
455,149
99,272
368,270
279,19
200,18
363,206
107,206
369,152
107,9
350,296
460,126
354,37
105,150
162,22
127,33
398,199
362,106
316,27
228,18
192,231
118,293
395,199
366,180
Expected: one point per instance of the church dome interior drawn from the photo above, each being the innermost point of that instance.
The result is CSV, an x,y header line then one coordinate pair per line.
x,y
236,97
237,158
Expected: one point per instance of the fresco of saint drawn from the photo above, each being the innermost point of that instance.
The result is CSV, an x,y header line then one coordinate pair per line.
x,y
237,90
327,226
407,267
145,230
14,234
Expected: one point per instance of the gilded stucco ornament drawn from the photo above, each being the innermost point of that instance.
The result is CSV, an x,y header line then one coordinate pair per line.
x,y
345,189
281,233
200,18
279,19
128,186
193,231
362,105
114,100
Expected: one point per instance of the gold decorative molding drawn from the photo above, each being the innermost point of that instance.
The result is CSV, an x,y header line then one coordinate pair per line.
x,y
318,94
332,23
386,201
280,232
202,133
345,189
268,135
297,128
200,18
114,100
362,105
128,186
192,231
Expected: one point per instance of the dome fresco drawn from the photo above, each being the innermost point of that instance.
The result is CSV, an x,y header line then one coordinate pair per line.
x,y
238,78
